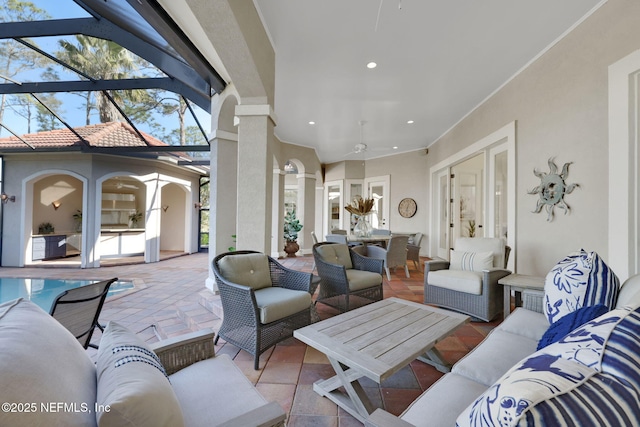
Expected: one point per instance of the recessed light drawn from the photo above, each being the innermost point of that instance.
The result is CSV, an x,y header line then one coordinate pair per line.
x,y
372,65
395,147
410,122
312,123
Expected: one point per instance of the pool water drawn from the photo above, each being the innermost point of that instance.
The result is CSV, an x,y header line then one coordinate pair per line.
x,y
44,291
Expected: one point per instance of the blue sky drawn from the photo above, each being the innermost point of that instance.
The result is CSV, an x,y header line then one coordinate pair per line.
x,y
73,109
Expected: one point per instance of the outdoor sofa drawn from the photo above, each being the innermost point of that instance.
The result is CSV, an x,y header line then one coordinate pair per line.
x,y
590,378
47,379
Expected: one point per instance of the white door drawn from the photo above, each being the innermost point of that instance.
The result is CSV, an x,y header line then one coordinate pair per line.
x,y
333,205
443,212
378,189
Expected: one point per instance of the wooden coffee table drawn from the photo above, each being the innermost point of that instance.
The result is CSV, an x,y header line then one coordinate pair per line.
x,y
375,341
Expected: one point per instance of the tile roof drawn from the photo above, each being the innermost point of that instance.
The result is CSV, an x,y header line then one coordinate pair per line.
x,y
111,134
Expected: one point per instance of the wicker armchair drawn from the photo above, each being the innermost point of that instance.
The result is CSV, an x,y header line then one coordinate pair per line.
x,y
219,374
471,290
347,278
262,301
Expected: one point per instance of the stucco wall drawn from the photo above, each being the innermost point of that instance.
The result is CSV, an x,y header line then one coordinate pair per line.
x,y
560,105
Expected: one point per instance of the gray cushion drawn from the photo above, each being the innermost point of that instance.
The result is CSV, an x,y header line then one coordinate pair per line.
x,y
497,353
132,383
213,391
43,363
246,269
443,401
277,303
456,280
359,279
336,254
526,323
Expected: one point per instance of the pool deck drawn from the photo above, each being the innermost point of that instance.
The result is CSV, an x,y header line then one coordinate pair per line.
x,y
171,300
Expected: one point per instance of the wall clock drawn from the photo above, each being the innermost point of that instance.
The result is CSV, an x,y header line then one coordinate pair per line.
x,y
407,207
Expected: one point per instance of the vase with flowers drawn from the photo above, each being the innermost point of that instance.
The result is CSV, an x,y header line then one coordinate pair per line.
x,y
361,208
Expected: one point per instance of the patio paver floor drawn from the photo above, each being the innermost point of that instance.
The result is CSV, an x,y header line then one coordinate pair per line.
x,y
173,301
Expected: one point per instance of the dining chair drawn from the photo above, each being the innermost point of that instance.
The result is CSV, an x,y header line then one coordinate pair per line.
x,y
394,256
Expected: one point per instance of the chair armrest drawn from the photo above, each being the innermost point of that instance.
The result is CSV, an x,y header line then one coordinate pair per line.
x,y
182,351
268,415
494,274
366,263
377,252
284,277
436,264
381,418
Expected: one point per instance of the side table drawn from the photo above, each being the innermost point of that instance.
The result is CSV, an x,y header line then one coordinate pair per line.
x,y
519,283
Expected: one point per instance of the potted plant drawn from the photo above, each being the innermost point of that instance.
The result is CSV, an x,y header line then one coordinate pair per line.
x,y
46,228
77,219
291,228
135,218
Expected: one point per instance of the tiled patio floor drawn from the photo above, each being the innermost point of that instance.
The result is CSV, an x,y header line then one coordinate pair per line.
x,y
170,300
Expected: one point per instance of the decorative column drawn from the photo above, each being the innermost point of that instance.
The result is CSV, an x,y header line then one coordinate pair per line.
x,y
223,197
255,176
277,222
306,211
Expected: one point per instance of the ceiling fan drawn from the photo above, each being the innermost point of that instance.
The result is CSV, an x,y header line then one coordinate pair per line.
x,y
361,147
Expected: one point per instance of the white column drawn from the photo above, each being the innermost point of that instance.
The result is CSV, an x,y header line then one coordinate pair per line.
x,y
255,176
306,210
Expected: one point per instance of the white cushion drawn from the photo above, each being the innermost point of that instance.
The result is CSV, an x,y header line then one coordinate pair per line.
x,y
42,363
456,280
360,279
470,261
483,244
494,356
443,401
580,279
132,383
527,323
336,254
213,391
276,303
246,269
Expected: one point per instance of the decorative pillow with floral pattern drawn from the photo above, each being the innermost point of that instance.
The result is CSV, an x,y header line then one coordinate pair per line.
x,y
579,280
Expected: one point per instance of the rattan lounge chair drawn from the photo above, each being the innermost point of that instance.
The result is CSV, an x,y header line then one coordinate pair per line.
x,y
78,309
262,301
347,278
476,293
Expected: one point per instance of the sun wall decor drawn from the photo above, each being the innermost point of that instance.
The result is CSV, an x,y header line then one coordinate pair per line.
x,y
552,189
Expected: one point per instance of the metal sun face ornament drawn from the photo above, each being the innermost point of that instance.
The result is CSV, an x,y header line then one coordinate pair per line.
x,y
552,189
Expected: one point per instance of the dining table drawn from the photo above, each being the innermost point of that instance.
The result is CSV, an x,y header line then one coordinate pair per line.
x,y
374,239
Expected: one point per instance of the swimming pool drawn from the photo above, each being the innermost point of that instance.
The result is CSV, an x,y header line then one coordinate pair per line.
x,y
44,291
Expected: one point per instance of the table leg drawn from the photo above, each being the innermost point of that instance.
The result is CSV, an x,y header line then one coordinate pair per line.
x,y
434,358
356,401
507,301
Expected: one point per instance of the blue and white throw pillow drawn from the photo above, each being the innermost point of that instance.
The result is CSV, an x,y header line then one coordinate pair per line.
x,y
589,378
579,280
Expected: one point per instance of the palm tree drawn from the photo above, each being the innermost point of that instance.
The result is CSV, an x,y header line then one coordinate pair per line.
x,y
101,60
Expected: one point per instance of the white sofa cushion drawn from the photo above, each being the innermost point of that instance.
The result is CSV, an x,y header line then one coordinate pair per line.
x,y
498,352
276,303
470,261
580,279
214,391
132,383
246,269
456,280
443,401
527,323
43,364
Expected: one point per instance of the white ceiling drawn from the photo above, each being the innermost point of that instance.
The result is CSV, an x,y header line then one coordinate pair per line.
x,y
437,61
